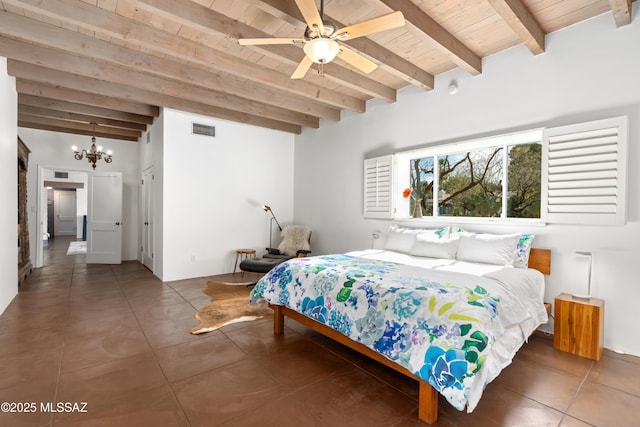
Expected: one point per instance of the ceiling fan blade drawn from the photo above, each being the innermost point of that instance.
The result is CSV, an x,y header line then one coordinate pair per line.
x,y
357,60
364,28
302,69
255,42
310,13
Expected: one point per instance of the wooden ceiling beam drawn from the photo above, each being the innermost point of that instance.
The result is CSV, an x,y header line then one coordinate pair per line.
x,y
460,54
63,79
79,44
141,113
393,64
29,53
75,117
388,60
99,130
72,107
203,18
102,21
24,122
621,10
516,15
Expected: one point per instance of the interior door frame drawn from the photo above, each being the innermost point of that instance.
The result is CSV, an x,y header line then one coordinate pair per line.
x,y
38,259
147,215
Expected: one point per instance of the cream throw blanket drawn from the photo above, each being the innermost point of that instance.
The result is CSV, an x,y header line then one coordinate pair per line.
x,y
294,238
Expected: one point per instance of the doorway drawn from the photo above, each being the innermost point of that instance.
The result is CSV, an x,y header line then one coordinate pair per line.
x,y
62,226
99,197
61,212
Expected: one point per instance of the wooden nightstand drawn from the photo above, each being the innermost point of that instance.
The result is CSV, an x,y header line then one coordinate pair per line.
x,y
578,326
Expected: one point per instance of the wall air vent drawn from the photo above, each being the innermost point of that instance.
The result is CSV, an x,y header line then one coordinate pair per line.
x,y
206,130
64,175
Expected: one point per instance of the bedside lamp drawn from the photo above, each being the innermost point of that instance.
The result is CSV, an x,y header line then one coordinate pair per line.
x,y
588,295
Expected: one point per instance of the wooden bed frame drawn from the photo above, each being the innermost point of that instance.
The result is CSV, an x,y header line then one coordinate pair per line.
x,y
539,259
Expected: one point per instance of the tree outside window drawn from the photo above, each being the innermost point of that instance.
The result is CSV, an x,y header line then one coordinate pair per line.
x,y
422,184
471,183
525,165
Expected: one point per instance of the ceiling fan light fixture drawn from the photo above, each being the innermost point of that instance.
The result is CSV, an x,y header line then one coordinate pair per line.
x,y
321,50
321,38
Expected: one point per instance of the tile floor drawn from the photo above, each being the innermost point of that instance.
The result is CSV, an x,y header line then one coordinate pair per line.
x,y
117,338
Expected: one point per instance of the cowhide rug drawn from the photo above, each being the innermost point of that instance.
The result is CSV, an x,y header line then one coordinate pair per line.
x,y
230,304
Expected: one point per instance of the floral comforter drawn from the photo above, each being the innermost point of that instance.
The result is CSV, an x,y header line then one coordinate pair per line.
x,y
439,325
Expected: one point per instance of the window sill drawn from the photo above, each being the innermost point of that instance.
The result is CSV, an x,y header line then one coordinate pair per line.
x,y
529,222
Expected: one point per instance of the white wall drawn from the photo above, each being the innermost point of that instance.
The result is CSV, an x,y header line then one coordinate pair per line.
x,y
52,150
8,187
213,190
589,71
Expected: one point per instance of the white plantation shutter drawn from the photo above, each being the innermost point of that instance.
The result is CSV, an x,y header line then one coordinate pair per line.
x,y
378,179
584,173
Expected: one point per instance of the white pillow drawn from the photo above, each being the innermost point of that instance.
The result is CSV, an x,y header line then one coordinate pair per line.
x,y
488,248
400,239
433,247
523,250
523,247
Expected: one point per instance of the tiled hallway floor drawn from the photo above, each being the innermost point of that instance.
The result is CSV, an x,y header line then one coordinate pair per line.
x,y
118,339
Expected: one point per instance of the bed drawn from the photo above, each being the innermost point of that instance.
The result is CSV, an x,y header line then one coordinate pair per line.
x,y
451,324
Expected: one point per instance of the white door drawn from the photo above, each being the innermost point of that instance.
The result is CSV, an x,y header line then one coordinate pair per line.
x,y
104,218
64,220
147,218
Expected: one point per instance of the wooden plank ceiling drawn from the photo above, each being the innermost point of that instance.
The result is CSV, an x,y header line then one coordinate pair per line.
x,y
115,62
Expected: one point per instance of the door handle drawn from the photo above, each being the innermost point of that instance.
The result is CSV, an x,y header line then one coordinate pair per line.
x,y
146,223
118,223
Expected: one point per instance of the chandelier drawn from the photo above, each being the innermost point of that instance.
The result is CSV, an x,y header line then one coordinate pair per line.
x,y
94,153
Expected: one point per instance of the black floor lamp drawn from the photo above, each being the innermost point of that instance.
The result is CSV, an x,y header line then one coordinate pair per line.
x,y
273,218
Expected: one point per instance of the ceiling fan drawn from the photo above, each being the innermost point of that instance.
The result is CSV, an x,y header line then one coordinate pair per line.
x,y
321,39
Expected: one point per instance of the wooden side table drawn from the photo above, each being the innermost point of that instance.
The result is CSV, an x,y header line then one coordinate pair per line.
x,y
579,326
242,254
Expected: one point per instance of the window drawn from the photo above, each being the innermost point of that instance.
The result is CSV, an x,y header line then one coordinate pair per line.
x,y
573,174
491,178
470,183
523,180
